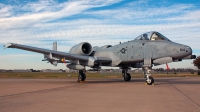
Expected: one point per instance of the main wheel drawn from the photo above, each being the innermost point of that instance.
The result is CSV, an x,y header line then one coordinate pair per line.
x,y
128,77
150,81
81,77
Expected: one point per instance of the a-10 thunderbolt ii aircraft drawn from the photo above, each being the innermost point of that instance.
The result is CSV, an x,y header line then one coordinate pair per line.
x,y
146,50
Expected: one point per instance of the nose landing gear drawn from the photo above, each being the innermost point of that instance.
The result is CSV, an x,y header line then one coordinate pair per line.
x,y
149,79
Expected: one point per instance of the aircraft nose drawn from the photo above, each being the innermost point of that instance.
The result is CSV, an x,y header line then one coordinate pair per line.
x,y
188,50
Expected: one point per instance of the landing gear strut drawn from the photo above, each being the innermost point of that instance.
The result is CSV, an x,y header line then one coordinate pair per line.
x,y
127,76
147,75
81,76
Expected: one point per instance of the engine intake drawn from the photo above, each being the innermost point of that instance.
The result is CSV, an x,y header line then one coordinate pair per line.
x,y
83,48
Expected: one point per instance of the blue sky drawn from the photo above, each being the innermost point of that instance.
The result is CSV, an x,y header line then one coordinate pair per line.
x,y
41,22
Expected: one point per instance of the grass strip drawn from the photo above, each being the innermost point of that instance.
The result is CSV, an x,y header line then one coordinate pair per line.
x,y
89,75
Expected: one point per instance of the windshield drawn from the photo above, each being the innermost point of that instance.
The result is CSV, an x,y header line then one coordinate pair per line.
x,y
152,36
142,37
158,36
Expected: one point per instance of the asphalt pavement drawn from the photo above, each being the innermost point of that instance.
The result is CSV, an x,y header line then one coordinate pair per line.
x,y
176,94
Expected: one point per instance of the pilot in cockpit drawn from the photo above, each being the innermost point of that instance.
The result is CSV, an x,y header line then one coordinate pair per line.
x,y
144,37
152,36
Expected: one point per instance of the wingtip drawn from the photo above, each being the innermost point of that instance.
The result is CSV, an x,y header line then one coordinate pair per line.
x,y
7,45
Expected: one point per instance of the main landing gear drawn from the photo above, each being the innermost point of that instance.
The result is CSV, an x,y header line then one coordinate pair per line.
x,y
127,76
147,75
81,76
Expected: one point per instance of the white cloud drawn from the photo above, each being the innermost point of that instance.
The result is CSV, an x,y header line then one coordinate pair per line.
x,y
136,14
178,22
16,56
41,23
97,34
44,11
5,11
42,6
188,16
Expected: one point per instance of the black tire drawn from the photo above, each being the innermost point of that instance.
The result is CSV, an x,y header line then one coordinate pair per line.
x,y
82,77
128,78
151,81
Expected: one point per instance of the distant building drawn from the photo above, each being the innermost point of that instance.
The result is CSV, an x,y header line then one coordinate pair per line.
x,y
52,70
21,70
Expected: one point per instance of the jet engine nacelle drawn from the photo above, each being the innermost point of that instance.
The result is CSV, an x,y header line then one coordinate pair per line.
x,y
83,48
75,67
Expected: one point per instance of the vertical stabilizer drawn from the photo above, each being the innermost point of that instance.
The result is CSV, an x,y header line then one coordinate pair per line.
x,y
55,46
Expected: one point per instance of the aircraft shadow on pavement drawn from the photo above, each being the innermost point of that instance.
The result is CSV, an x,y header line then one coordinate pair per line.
x,y
158,81
110,81
114,81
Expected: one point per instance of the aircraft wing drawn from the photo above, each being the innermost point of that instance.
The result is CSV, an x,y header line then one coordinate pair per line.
x,y
54,53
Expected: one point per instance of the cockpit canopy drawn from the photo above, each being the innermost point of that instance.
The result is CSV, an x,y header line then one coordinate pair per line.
x,y
152,36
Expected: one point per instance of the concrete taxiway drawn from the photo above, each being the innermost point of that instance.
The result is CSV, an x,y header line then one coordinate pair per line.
x,y
180,94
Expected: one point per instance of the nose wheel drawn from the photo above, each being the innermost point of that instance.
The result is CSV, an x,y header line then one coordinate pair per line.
x,y
149,79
